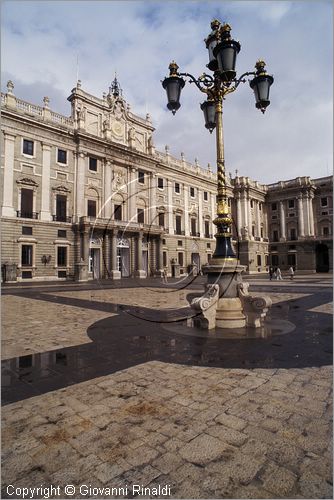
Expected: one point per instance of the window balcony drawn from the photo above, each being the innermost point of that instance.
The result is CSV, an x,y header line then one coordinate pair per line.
x,y
195,234
23,214
181,233
62,218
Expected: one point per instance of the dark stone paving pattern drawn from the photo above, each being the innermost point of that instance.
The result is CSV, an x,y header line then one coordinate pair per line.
x,y
126,340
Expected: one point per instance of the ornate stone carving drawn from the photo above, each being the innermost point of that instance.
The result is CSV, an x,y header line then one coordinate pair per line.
x,y
27,182
255,308
206,305
61,188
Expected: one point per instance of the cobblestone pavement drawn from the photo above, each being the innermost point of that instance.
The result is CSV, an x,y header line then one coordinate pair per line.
x,y
203,432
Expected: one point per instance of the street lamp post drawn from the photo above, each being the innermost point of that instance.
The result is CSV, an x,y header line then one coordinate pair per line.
x,y
224,267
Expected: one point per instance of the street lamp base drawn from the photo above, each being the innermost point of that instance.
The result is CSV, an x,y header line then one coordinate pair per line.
x,y
226,273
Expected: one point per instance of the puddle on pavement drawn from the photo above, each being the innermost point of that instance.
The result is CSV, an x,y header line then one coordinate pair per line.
x,y
270,328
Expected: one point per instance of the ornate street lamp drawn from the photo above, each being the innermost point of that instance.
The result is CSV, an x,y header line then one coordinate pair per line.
x,y
223,51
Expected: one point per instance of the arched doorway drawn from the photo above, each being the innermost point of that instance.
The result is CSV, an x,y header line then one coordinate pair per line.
x,y
322,258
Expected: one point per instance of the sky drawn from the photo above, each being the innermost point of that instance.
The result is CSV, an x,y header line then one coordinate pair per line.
x,y
46,44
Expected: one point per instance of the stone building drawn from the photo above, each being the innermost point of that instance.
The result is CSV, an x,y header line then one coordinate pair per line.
x,y
88,196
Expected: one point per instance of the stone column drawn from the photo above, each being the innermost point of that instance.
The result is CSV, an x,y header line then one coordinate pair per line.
x,y
186,209
170,207
81,267
301,230
239,226
115,274
132,195
244,210
306,215
81,171
258,218
46,166
282,221
200,213
153,200
8,177
107,189
106,256
311,217
250,219
159,269
139,272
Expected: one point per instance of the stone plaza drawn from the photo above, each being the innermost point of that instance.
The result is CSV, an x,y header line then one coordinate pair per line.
x,y
108,394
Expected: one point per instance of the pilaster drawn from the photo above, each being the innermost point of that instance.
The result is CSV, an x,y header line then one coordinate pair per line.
x,y
46,171
8,178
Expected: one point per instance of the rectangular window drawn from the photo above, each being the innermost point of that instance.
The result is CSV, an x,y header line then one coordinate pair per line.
x,y
324,202
253,230
292,247
61,207
205,195
161,218
61,256
192,192
160,183
206,229
28,147
164,259
93,164
140,215
61,233
118,212
178,224
193,226
180,258
325,231
261,232
259,260
292,214
275,235
291,203
179,243
260,206
26,255
141,177
27,203
293,234
62,156
164,241
208,245
177,187
91,208
274,206
27,230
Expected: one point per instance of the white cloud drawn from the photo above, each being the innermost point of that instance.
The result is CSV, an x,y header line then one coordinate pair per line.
x,y
41,41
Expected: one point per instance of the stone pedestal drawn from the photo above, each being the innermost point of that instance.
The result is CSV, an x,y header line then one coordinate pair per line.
x,y
226,273
175,270
115,275
9,272
81,271
140,273
229,313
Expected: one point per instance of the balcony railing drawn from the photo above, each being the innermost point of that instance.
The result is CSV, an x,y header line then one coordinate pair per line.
x,y
180,233
26,215
196,234
62,218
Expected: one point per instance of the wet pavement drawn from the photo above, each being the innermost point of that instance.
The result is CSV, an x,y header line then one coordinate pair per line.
x,y
136,335
125,392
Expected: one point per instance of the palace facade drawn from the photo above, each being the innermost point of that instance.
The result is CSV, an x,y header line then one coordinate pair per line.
x,y
88,197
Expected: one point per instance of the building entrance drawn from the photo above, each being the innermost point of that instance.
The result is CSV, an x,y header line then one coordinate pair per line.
x,y
123,261
94,262
322,258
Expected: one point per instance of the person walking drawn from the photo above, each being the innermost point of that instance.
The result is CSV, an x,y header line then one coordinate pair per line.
x,y
291,272
278,274
271,272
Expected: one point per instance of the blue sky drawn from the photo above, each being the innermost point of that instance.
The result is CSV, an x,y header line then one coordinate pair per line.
x,y
41,42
